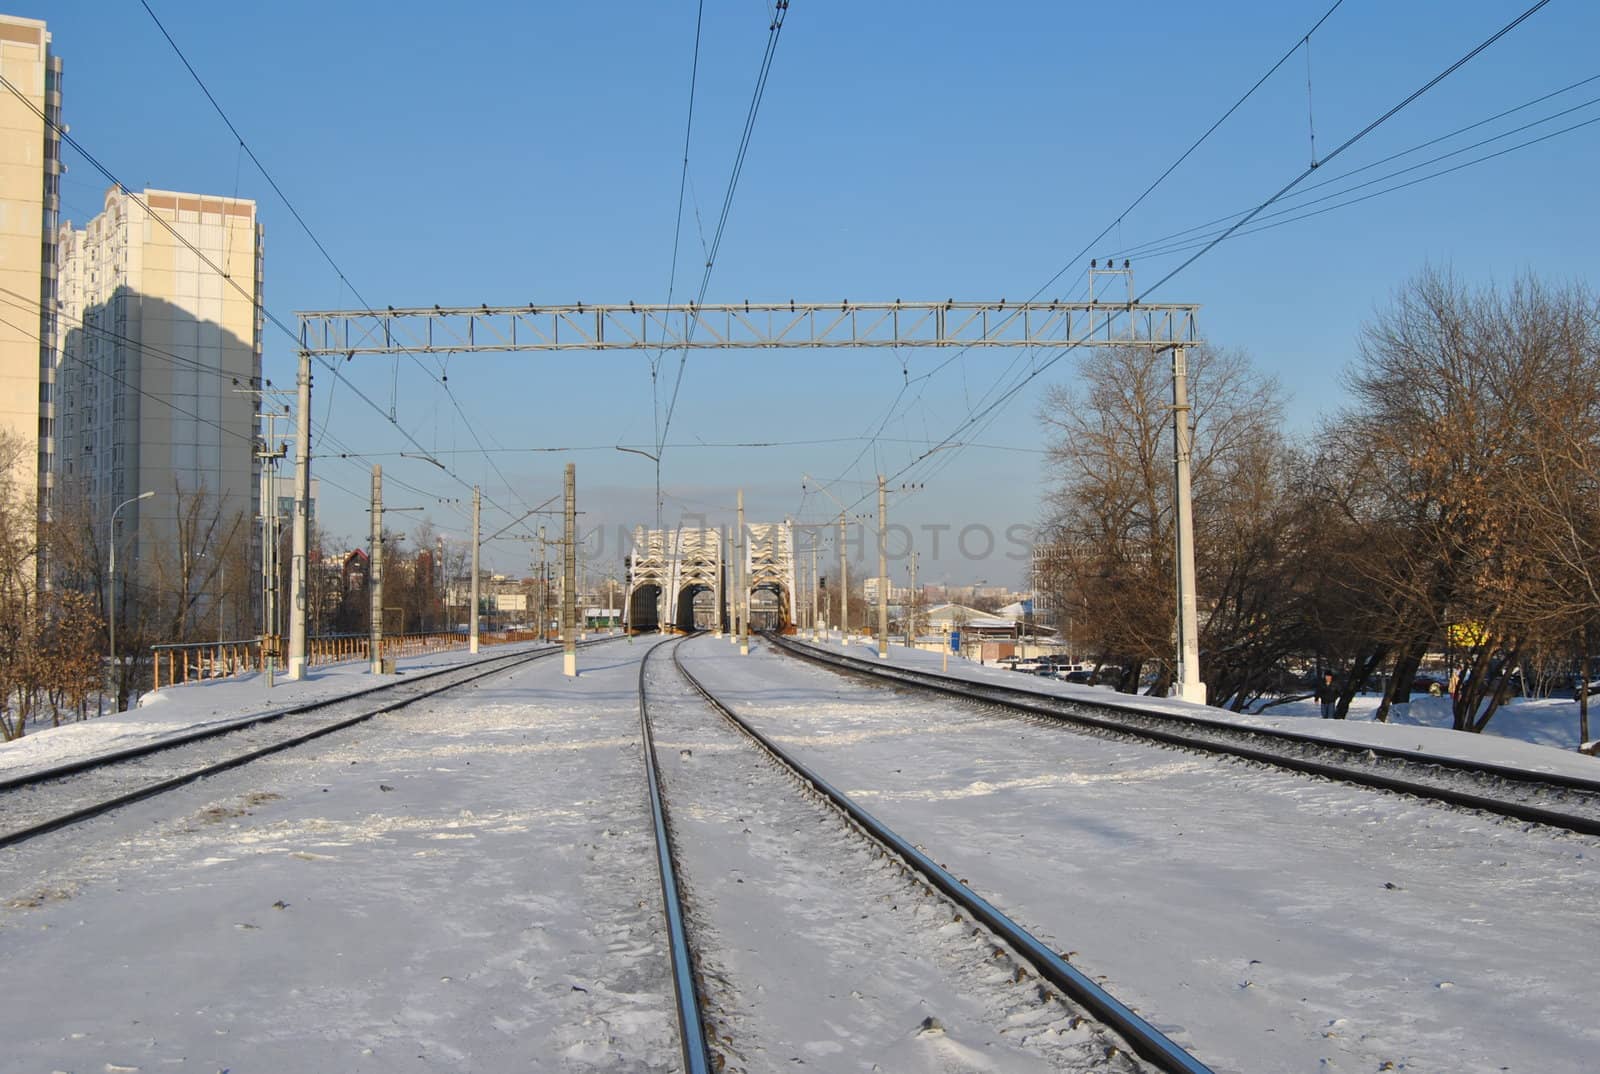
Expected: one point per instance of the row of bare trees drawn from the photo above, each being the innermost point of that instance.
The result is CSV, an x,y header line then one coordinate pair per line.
x,y
199,584
49,638
1450,506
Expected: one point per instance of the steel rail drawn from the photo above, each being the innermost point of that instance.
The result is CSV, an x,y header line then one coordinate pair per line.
x,y
1147,1041
1073,710
182,738
691,1029
150,790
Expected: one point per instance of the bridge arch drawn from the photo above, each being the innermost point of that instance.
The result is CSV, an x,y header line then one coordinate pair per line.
x,y
641,613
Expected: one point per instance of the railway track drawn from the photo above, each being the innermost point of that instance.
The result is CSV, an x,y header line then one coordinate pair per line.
x,y
1100,1025
1560,801
41,801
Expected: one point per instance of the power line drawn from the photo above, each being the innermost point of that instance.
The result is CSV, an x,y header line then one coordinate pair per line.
x,y
1144,249
1301,41
976,415
1198,142
255,303
683,175
343,278
774,29
712,445
1352,140
1182,247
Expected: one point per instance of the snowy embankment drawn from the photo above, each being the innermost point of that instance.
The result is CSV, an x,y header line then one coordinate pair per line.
x,y
1264,920
463,885
206,703
1540,736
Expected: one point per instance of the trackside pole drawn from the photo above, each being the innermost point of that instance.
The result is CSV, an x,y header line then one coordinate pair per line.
x,y
1188,687
717,586
569,578
844,587
301,537
883,571
744,585
472,630
375,578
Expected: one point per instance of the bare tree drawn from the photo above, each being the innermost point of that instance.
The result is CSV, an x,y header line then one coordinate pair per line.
x,y
1463,402
1110,515
49,639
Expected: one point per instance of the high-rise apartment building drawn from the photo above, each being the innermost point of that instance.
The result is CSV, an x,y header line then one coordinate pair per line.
x,y
30,184
160,342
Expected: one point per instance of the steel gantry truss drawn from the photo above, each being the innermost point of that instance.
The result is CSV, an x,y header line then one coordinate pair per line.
x,y
765,326
778,325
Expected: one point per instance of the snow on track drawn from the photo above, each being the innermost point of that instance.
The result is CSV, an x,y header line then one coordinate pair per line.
x,y
1283,924
467,885
817,948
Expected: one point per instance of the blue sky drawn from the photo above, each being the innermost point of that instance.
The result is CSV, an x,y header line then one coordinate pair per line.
x,y
509,153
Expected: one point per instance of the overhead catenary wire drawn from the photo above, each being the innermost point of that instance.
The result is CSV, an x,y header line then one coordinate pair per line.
x,y
1350,141
1196,144
1154,247
975,415
312,235
210,264
774,30
151,396
1116,223
1387,190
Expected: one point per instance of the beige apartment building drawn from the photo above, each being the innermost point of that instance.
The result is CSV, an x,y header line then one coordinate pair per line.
x,y
156,355
30,177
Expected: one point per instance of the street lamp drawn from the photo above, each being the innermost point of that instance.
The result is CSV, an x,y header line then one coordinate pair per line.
x,y
661,594
111,596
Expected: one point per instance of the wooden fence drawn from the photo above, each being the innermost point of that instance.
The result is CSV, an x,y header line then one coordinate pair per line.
x,y
195,661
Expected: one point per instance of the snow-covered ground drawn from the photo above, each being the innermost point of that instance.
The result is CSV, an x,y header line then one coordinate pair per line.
x,y
1521,734
207,702
817,949
465,885
1268,922
468,884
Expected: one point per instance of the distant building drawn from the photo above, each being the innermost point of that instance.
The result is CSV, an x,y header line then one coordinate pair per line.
x,y
154,349
898,594
283,496
30,185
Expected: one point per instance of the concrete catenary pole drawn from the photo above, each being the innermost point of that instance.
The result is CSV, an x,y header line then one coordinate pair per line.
x,y
269,554
375,578
302,490
744,584
733,587
816,593
883,570
569,578
1189,685
844,587
911,605
472,629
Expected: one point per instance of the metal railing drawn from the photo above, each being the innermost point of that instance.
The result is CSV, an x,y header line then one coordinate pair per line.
x,y
183,662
